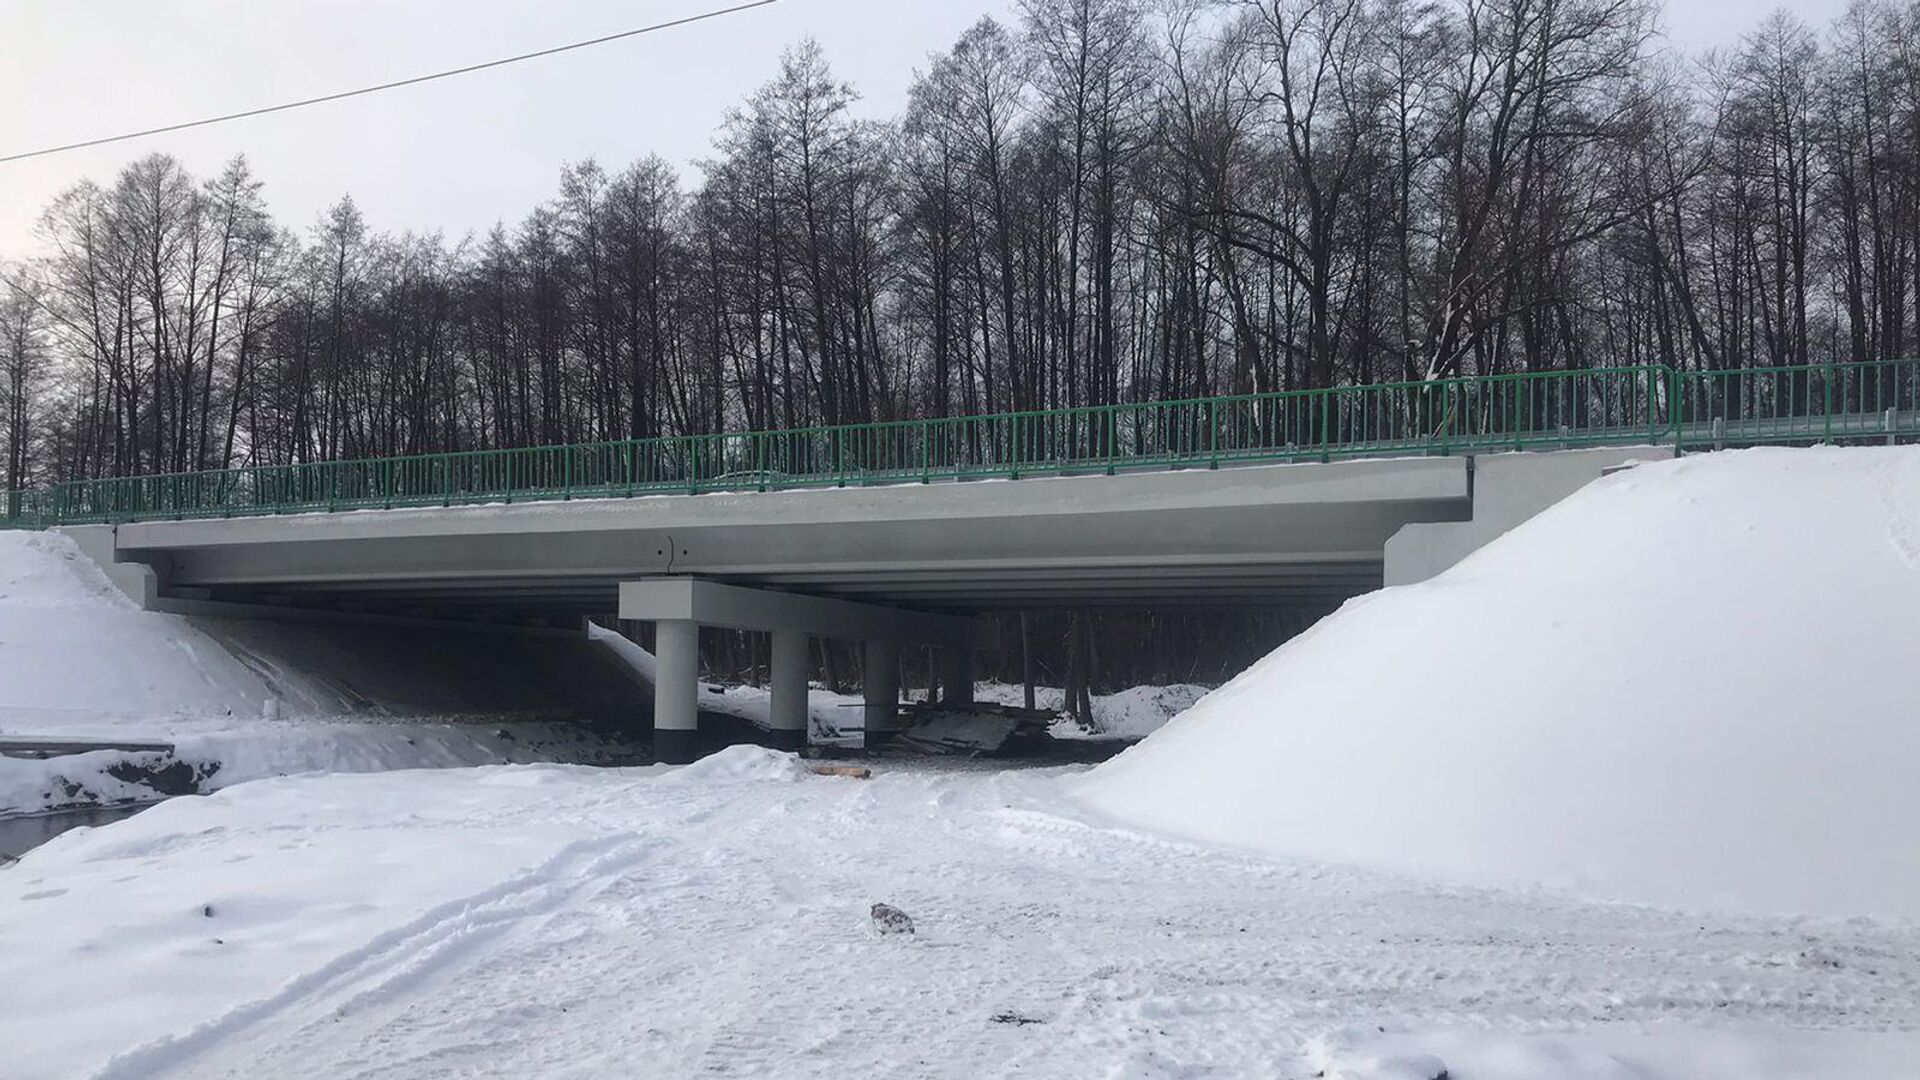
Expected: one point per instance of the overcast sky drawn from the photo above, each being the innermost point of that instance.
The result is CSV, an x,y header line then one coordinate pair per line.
x,y
459,154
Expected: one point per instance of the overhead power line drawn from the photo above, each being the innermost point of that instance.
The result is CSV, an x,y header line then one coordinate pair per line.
x,y
364,90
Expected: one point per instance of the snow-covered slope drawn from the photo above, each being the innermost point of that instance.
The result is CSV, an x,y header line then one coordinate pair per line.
x,y
1689,684
78,660
71,644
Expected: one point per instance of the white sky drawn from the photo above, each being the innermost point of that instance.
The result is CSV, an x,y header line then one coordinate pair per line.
x,y
459,154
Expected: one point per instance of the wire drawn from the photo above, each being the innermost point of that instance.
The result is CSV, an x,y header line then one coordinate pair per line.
x,y
324,98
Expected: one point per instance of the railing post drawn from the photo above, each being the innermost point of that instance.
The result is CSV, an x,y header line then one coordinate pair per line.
x,y
1827,419
1326,423
1675,407
1513,408
926,452
1213,433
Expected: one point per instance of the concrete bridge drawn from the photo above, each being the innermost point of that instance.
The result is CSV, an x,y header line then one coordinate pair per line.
x,y
890,566
904,532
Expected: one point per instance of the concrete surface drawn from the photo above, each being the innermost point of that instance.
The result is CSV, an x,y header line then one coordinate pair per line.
x,y
1256,535
1508,489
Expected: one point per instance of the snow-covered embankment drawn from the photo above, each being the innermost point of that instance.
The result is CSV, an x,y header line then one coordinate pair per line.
x,y
79,661
1689,684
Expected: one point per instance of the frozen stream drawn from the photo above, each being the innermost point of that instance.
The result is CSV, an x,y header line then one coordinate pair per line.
x,y
21,833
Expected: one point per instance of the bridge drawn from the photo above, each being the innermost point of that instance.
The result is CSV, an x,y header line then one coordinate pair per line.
x,y
902,532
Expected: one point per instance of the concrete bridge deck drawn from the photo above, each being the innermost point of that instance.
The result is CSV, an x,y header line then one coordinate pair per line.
x,y
1248,536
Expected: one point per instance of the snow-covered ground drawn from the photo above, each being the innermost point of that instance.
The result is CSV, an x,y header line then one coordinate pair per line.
x,y
1689,684
552,921
78,660
1133,713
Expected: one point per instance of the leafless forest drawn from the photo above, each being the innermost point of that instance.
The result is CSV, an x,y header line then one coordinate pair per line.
x,y
1108,201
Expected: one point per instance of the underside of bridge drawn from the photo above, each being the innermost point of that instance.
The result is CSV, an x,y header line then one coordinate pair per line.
x,y
884,566
1237,538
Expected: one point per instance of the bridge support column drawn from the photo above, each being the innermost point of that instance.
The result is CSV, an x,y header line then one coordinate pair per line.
x,y
881,689
787,709
956,675
790,618
676,692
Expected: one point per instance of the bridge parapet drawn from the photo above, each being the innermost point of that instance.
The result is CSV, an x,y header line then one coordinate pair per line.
x,y
1543,410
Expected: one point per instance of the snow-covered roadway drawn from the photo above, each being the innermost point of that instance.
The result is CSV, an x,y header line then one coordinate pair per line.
x,y
547,921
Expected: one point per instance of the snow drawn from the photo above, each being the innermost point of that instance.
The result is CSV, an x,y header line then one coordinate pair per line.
x,y
1684,686
78,660
1689,684
740,764
71,645
559,921
1133,713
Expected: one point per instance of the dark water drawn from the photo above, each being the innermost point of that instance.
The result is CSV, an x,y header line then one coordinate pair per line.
x,y
22,833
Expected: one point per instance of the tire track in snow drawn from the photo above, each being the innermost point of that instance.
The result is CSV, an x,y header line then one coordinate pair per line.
x,y
401,960
736,945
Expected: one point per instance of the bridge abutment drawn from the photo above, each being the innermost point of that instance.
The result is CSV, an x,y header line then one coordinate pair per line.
x,y
1508,490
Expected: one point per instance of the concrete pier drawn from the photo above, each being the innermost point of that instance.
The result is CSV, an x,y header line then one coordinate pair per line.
x,y
676,692
881,688
787,710
680,606
956,676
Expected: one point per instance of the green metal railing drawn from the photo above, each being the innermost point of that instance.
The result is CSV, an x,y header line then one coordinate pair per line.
x,y
1553,409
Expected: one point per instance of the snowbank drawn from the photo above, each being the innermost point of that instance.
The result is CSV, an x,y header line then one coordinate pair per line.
x,y
238,925
1689,684
740,765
